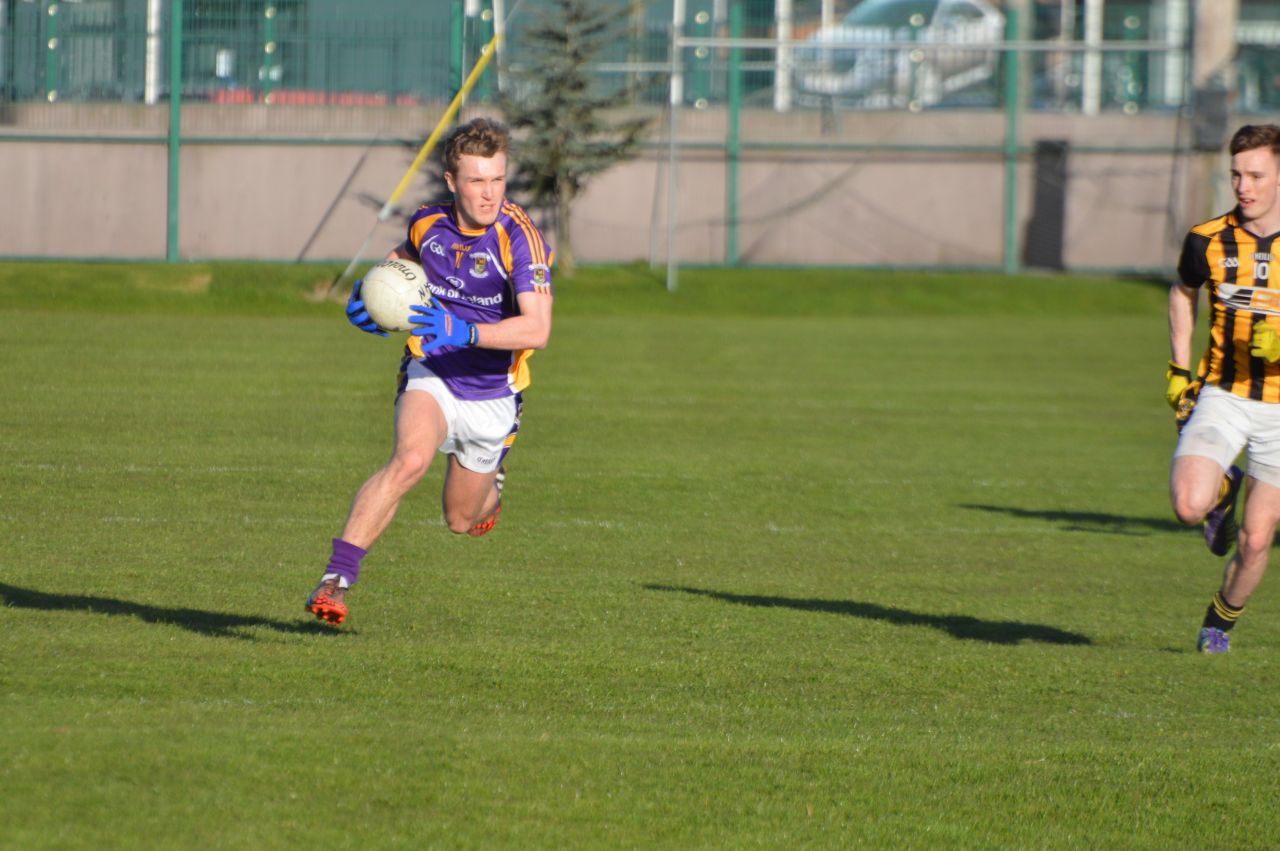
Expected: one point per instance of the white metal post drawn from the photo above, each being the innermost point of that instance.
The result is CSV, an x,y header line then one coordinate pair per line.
x,y
500,30
1091,85
470,15
151,73
677,30
1173,62
1063,60
673,159
782,57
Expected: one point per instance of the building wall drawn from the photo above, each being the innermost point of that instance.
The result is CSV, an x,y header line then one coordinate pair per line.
x,y
922,189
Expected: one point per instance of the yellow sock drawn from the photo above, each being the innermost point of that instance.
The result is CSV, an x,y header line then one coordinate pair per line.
x,y
1222,614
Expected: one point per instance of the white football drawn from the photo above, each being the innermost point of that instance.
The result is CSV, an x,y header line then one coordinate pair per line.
x,y
390,289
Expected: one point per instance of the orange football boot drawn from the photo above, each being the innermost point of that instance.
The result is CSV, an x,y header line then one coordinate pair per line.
x,y
328,601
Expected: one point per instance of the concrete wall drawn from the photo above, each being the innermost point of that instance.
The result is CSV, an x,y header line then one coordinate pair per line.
x,y
850,189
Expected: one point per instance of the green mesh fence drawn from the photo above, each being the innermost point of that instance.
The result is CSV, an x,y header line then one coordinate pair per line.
x,y
387,53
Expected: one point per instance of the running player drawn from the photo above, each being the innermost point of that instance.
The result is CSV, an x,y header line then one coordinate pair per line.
x,y
1232,402
467,360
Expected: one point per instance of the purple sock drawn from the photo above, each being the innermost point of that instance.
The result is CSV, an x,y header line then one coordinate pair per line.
x,y
345,560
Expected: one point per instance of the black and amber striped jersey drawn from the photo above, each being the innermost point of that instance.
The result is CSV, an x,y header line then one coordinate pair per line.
x,y
1236,267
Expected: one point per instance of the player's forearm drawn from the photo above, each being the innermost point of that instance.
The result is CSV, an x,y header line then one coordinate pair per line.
x,y
1182,323
515,333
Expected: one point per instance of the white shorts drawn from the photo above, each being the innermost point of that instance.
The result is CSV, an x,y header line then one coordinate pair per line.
x,y
1223,423
480,431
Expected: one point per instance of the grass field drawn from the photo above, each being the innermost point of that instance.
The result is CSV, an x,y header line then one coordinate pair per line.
x,y
788,560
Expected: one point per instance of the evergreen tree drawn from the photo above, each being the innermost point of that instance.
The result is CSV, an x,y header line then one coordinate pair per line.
x,y
556,107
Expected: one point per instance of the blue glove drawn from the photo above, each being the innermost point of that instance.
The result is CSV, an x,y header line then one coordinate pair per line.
x,y
358,316
436,327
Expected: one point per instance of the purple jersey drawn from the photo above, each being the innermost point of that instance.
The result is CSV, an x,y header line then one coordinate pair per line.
x,y
476,276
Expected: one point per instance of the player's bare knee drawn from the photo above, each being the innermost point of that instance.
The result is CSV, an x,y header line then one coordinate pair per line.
x,y
1255,544
1190,509
408,468
458,524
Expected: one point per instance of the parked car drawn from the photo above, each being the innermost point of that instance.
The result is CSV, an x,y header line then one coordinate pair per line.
x,y
842,62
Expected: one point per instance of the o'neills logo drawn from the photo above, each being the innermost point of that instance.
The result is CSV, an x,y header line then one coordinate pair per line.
x,y
402,268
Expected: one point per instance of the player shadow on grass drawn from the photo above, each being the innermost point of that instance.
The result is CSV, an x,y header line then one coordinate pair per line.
x,y
216,624
1088,521
958,626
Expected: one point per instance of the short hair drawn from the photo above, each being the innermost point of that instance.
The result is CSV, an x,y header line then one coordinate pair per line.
x,y
479,137
1252,136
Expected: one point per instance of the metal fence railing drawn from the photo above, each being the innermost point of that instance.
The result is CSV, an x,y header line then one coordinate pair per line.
x,y
402,52
282,52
